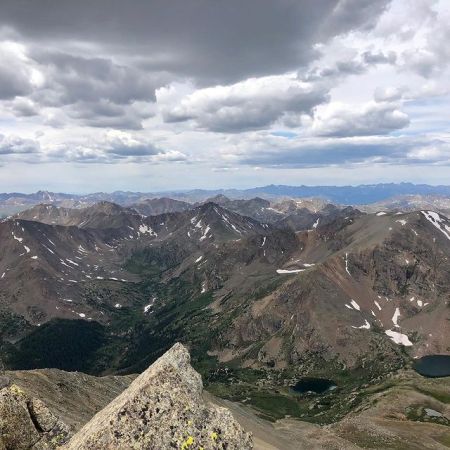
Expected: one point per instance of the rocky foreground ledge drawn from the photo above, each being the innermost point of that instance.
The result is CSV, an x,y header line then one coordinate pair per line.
x,y
26,422
162,409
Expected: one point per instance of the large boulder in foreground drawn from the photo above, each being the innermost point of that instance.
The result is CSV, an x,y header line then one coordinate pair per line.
x,y
163,409
27,423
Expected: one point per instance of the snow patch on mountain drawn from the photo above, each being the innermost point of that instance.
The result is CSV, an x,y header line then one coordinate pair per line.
x,y
16,238
346,264
355,305
205,233
396,316
282,271
366,326
399,338
438,222
145,229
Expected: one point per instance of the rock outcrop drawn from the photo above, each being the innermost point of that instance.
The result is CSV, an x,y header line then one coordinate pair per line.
x,y
27,423
163,409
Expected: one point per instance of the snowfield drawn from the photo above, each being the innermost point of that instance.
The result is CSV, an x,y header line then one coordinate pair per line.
x,y
281,271
399,338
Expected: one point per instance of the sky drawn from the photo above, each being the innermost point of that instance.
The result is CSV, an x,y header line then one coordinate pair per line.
x,y
154,95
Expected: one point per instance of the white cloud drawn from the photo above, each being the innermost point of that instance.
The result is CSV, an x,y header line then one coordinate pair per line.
x,y
263,150
345,83
112,146
388,94
18,74
337,119
251,104
15,145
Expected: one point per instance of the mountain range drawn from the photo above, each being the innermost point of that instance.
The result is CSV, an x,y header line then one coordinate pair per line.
x,y
263,293
159,202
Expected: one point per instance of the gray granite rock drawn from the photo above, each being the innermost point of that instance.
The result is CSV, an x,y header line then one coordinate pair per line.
x,y
26,422
163,409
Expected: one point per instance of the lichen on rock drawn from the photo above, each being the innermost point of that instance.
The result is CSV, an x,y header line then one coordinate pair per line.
x,y
27,423
163,409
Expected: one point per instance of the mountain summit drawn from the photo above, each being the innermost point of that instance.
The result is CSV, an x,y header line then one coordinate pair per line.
x,y
163,409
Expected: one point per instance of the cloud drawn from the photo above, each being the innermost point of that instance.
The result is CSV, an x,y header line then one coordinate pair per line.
x,y
435,152
379,57
170,156
350,63
343,152
350,14
225,84
388,94
430,55
345,120
95,91
75,78
23,107
112,147
251,104
18,77
123,145
109,147
213,42
14,145
105,114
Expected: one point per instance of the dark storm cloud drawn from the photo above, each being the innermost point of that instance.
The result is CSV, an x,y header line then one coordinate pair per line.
x,y
100,62
15,76
104,113
211,41
12,83
95,91
23,107
78,78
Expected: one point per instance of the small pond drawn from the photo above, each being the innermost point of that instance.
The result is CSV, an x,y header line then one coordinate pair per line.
x,y
316,385
433,366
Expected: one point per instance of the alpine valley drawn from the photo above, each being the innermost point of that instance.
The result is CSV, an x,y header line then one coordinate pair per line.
x,y
265,293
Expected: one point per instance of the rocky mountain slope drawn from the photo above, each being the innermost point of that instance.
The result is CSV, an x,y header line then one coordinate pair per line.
x,y
101,215
26,422
54,271
162,408
351,297
383,280
163,205
438,203
255,208
404,411
49,270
